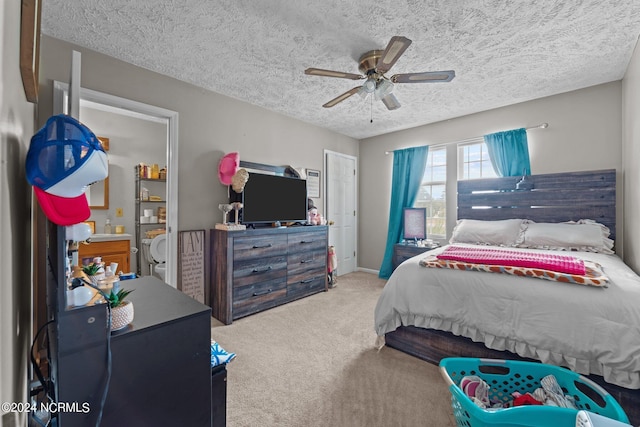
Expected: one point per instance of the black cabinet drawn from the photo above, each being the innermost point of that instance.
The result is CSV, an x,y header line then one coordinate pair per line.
x,y
219,396
160,364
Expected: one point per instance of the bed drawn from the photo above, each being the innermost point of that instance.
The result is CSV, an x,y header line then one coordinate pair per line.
x,y
592,329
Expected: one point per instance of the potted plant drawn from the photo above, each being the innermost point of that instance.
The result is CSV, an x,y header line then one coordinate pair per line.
x,y
94,271
121,310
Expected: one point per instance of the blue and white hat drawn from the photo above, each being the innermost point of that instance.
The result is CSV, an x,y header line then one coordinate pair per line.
x,y
64,158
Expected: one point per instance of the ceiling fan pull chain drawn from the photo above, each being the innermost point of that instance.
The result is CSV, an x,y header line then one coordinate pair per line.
x,y
371,99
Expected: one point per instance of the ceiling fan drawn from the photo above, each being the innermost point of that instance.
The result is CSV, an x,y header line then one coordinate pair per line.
x,y
373,65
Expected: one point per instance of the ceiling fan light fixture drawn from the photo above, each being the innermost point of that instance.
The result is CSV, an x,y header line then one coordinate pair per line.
x,y
391,102
370,85
363,93
384,88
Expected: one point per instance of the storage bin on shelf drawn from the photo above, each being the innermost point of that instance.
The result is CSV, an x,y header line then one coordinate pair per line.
x,y
150,234
507,376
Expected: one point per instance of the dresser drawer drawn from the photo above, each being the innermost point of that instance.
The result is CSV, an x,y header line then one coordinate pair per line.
x,y
306,286
259,296
248,271
306,264
307,241
248,247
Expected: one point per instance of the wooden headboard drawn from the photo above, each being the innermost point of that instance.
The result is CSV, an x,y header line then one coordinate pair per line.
x,y
555,197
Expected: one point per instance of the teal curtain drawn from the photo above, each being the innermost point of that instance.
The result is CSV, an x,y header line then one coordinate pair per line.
x,y
408,168
509,152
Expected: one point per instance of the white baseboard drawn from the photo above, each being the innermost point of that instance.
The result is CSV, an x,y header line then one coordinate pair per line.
x,y
368,270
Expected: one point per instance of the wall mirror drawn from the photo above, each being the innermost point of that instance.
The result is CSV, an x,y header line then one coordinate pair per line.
x,y
134,108
98,193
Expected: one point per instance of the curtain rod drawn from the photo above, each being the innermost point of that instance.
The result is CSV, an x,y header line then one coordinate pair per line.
x,y
540,126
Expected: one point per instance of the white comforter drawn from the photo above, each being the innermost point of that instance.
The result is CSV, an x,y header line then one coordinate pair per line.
x,y
587,329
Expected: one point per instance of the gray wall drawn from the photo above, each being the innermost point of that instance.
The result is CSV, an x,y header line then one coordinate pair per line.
x,y
16,129
585,133
210,125
631,160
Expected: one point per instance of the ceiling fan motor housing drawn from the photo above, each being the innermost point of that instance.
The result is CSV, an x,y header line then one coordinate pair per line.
x,y
367,63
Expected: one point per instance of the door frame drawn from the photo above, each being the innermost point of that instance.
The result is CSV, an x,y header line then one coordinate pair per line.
x,y
325,199
135,109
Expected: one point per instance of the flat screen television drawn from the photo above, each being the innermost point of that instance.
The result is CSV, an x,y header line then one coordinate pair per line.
x,y
273,198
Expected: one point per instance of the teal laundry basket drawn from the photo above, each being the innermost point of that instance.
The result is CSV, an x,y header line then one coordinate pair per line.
x,y
507,376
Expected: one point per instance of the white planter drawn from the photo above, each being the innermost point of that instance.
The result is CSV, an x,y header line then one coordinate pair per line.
x,y
121,316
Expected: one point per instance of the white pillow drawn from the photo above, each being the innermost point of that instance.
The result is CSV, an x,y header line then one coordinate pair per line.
x,y
507,232
585,235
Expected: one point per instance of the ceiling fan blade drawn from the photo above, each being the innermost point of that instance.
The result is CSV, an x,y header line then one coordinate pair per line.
x,y
330,73
391,102
342,97
428,77
396,47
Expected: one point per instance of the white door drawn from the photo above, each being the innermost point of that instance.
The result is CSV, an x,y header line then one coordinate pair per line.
x,y
340,206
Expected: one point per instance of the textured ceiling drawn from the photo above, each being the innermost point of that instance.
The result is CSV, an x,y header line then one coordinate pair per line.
x,y
257,51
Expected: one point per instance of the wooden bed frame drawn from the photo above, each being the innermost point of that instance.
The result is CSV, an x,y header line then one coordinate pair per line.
x,y
542,198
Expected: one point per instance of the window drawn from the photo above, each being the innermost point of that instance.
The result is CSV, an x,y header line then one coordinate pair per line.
x,y
432,194
474,161
469,160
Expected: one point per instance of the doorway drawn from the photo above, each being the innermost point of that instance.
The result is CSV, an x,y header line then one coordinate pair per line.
x,y
340,204
137,110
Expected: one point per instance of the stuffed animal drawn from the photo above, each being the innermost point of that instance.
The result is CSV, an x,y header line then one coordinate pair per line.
x,y
315,218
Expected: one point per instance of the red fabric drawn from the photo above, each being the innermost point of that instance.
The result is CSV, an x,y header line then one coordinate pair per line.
x,y
525,399
63,210
495,256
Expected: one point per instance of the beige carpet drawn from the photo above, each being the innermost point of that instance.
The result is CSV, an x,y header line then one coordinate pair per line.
x,y
313,362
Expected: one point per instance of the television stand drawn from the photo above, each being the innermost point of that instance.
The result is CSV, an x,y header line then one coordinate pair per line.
x,y
256,269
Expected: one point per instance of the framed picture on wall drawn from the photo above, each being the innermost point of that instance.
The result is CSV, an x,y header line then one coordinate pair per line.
x,y
415,223
313,183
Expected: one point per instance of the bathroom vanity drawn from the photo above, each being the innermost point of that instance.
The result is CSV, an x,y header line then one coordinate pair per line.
x,y
111,247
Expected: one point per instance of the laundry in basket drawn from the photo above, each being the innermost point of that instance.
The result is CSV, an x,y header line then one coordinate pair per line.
x,y
506,377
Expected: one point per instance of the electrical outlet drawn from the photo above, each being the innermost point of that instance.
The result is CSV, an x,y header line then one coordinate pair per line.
x,y
118,211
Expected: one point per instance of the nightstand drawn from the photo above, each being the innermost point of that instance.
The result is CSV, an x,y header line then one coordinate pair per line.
x,y
403,251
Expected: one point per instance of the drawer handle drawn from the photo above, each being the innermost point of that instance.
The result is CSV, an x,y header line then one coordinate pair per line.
x,y
257,294
305,241
307,280
268,245
305,261
261,270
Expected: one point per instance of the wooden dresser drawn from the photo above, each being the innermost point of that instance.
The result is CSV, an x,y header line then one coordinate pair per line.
x,y
253,270
116,250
